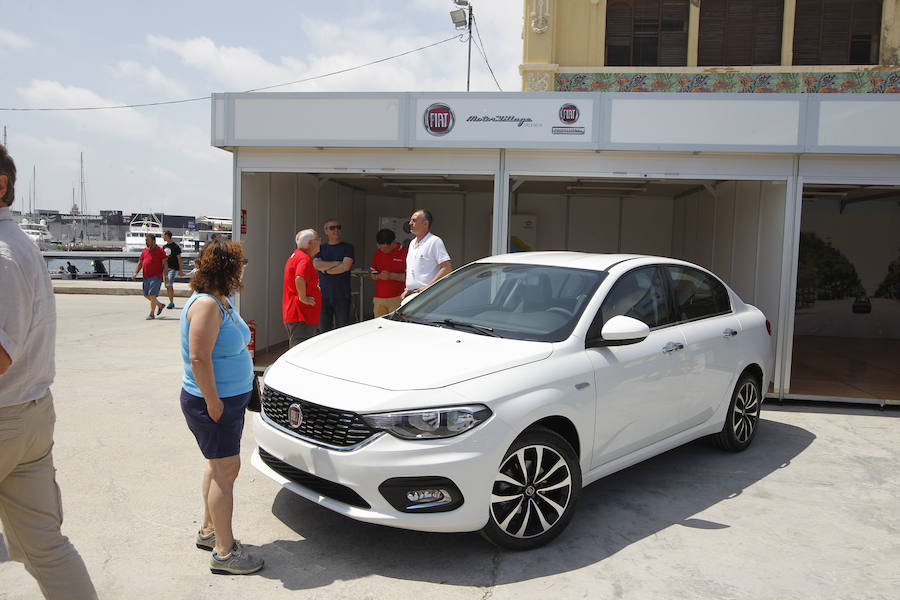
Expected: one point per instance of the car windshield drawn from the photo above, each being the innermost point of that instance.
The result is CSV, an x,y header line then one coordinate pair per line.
x,y
525,302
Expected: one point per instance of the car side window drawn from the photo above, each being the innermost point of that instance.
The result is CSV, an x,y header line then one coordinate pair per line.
x,y
639,294
697,294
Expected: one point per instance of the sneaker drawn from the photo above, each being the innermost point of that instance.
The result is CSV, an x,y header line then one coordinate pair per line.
x,y
150,317
171,305
236,562
159,310
206,542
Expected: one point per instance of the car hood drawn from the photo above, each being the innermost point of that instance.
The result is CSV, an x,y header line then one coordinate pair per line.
x,y
407,356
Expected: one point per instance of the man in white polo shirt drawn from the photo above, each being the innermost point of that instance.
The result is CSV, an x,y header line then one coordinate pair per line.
x,y
427,259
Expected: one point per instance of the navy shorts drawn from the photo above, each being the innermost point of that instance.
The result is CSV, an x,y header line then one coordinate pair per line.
x,y
151,286
216,440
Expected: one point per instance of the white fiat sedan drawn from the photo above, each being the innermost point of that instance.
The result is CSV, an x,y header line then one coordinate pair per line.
x,y
490,399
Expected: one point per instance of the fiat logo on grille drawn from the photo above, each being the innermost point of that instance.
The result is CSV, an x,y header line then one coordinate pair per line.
x,y
568,113
439,119
295,416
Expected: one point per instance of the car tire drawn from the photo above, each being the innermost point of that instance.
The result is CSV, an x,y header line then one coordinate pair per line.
x,y
534,492
742,420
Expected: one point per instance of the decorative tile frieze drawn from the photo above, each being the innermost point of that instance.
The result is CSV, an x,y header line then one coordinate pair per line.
x,y
871,82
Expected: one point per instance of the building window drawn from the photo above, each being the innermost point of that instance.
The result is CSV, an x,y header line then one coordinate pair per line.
x,y
837,32
740,32
647,33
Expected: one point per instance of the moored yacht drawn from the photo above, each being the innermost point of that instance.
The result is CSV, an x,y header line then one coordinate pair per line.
x,y
37,233
139,227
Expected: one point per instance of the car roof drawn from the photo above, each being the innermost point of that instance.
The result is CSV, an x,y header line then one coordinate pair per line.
x,y
575,260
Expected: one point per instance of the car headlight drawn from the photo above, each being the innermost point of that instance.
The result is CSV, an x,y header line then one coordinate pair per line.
x,y
429,423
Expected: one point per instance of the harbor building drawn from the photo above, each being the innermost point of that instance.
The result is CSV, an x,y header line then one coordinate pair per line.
x,y
787,189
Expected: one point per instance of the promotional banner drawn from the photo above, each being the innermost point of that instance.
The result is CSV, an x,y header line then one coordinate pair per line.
x,y
500,121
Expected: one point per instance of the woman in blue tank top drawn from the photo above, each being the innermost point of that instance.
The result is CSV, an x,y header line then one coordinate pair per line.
x,y
218,375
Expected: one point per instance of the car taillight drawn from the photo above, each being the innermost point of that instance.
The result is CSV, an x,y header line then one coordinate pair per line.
x,y
768,327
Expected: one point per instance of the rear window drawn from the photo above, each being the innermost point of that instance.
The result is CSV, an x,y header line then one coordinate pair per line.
x,y
697,294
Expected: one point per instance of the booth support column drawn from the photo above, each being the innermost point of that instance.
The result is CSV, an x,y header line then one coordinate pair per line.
x,y
785,343
235,209
500,229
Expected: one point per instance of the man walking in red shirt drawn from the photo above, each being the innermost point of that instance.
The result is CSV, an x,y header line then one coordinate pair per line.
x,y
389,272
151,261
302,298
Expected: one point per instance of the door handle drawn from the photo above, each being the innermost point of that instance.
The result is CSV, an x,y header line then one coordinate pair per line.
x,y
729,333
672,347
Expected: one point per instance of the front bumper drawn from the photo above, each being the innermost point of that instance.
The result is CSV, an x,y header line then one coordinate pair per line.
x,y
469,460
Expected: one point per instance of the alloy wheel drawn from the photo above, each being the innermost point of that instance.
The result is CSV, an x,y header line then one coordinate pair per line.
x,y
531,492
746,412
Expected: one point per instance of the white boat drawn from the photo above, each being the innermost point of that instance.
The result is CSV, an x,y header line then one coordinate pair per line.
x,y
194,240
37,233
138,228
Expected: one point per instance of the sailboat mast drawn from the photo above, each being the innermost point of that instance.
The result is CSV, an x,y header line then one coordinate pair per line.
x,y
83,207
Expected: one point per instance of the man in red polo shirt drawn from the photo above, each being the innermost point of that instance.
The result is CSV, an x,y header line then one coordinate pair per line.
x,y
389,272
302,298
151,261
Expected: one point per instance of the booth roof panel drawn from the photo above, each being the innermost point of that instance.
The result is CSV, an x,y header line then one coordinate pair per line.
x,y
286,120
708,122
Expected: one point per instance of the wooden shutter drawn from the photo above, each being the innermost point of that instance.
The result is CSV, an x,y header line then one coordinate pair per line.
x,y
768,19
646,32
711,45
740,32
837,32
835,44
807,32
865,32
619,31
673,38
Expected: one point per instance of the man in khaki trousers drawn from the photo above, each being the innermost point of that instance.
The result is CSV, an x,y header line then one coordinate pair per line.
x,y
30,505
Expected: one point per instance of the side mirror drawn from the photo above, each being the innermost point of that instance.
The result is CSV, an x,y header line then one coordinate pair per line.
x,y
619,331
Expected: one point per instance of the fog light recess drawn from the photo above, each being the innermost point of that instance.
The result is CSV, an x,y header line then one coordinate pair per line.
x,y
421,494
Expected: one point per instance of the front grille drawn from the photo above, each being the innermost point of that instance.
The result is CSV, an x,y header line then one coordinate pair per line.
x,y
330,489
321,424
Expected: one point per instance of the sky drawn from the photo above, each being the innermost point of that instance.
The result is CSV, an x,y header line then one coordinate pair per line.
x,y
58,54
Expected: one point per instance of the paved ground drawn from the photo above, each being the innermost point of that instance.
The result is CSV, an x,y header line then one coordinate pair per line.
x,y
810,511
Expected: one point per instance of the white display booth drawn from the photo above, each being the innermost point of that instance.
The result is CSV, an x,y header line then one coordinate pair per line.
x,y
715,179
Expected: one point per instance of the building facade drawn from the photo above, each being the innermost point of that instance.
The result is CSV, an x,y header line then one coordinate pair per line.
x,y
742,46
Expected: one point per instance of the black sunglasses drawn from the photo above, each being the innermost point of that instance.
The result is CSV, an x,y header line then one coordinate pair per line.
x,y
333,227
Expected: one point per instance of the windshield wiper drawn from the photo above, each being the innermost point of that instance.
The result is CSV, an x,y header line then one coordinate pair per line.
x,y
480,329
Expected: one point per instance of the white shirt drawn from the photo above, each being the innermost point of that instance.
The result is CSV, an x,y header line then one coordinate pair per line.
x,y
27,316
423,260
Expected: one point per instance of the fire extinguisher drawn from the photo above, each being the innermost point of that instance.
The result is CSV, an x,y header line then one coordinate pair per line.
x,y
252,345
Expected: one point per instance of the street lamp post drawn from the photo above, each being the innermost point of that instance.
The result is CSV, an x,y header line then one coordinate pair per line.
x,y
462,21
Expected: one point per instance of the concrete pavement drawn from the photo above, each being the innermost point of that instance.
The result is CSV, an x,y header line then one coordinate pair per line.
x,y
809,511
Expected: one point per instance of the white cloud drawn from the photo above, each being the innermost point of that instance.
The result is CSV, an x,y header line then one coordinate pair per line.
x,y
234,66
13,40
152,76
126,122
50,148
166,175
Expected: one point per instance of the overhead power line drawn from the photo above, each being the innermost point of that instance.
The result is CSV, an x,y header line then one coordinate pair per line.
x,y
269,87
480,46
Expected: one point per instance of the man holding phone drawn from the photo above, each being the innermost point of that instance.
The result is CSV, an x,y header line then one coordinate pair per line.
x,y
389,273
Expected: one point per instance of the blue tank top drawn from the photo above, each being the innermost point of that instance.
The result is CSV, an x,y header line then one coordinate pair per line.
x,y
232,365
